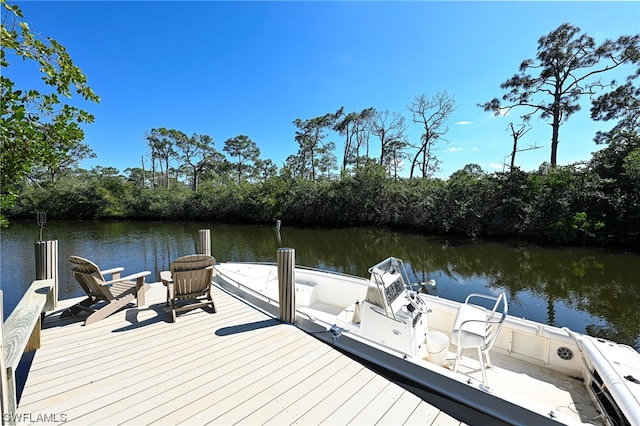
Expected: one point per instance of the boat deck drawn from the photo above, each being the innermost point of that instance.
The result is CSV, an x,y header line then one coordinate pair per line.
x,y
238,366
526,383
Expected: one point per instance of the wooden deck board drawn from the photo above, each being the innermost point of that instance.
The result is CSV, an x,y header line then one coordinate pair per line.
x,y
188,391
289,397
117,368
423,414
375,411
237,366
341,407
220,393
228,409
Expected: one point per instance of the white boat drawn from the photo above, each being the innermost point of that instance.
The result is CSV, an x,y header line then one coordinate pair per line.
x,y
536,373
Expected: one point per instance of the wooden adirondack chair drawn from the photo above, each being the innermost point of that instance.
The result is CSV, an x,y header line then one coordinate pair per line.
x,y
189,283
117,293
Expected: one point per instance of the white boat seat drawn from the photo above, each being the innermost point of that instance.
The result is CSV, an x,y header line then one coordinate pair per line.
x,y
470,326
478,327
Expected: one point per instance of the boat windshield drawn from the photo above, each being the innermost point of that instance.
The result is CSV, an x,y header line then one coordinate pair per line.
x,y
391,265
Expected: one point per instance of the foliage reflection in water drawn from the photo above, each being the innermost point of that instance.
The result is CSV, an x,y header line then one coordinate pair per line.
x,y
589,290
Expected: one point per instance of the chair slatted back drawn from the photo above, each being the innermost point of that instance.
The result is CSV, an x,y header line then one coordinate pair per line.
x,y
89,277
192,275
494,326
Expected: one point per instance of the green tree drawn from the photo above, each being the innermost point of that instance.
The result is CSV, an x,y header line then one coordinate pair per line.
x,y
244,151
65,149
467,205
631,166
26,111
137,176
622,104
568,63
314,153
355,127
294,167
196,154
162,144
265,169
618,164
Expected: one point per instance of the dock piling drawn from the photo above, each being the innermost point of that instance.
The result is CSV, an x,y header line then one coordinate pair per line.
x,y
47,268
204,242
286,284
278,237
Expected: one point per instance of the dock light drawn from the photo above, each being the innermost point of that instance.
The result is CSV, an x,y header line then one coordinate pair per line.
x,y
41,219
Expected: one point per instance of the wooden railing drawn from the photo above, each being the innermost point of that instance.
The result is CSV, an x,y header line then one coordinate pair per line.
x,y
20,333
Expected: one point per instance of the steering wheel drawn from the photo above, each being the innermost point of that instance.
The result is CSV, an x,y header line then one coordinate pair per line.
x,y
417,302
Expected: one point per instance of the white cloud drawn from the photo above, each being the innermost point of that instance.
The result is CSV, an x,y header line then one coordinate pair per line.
x,y
496,166
453,149
475,148
463,123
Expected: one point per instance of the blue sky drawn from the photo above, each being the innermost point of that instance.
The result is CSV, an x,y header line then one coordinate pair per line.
x,y
230,68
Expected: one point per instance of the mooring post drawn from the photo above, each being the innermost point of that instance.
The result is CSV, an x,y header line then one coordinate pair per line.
x,y
278,224
47,268
204,241
286,284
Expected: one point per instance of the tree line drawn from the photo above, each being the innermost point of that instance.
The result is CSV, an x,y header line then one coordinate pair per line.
x,y
595,202
185,177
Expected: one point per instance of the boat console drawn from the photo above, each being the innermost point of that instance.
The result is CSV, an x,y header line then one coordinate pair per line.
x,y
391,313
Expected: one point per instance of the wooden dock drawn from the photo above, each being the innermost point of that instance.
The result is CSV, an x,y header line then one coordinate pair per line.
x,y
237,366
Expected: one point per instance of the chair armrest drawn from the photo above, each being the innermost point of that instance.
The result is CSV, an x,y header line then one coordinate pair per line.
x,y
488,321
165,277
129,277
115,272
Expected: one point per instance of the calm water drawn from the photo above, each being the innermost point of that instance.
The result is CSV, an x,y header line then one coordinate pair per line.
x,y
588,290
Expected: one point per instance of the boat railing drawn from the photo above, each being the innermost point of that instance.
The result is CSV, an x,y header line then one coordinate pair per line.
x,y
20,333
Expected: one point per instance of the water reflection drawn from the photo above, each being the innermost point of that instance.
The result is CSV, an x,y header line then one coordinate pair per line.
x,y
596,291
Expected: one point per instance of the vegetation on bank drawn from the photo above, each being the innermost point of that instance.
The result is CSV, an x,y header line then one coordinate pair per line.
x,y
184,177
593,203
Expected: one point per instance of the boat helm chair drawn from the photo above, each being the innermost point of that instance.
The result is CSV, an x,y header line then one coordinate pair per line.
x,y
478,327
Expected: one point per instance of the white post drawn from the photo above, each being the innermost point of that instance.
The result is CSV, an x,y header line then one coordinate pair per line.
x,y
204,241
47,268
278,237
286,284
